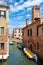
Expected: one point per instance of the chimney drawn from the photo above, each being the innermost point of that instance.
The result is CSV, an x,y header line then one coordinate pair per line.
x,y
26,22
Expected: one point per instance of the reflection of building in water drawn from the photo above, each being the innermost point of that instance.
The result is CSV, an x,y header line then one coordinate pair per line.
x,y
4,46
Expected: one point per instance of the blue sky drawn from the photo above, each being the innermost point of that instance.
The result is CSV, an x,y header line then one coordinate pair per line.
x,y
20,10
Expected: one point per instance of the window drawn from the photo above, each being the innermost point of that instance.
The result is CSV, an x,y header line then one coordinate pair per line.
x,y
37,45
15,34
37,9
2,30
2,46
19,30
19,34
2,14
30,32
37,19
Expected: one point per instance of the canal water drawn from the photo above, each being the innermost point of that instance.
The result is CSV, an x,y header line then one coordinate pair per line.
x,y
18,58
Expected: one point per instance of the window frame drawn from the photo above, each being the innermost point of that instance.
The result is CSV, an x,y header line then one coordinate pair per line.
x,y
30,32
2,46
3,16
2,33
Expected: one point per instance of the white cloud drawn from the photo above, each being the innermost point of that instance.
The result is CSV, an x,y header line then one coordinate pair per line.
x,y
29,8
11,28
28,3
29,22
31,3
21,26
21,1
41,9
20,7
28,15
12,9
2,2
19,17
21,13
11,0
15,9
16,4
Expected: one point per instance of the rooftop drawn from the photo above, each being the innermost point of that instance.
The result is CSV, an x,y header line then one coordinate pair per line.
x,y
6,6
33,23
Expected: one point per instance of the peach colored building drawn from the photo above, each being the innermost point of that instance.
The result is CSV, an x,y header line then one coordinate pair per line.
x,y
4,45
17,33
33,36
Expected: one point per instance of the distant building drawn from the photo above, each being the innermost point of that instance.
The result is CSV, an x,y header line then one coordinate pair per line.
x,y
33,36
4,45
17,33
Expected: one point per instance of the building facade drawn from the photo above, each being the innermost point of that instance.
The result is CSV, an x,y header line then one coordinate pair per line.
x,y
35,13
4,45
17,33
33,37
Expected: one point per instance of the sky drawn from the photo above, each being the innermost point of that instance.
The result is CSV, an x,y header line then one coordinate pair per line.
x,y
20,10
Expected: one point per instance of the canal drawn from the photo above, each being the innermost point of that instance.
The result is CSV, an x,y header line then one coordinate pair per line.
x,y
18,58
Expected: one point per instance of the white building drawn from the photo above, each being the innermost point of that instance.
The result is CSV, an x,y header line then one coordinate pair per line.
x,y
17,33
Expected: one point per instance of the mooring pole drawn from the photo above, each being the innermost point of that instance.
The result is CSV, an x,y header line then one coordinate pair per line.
x,y
2,56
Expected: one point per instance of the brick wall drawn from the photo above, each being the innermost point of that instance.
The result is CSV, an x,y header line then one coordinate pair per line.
x,y
35,40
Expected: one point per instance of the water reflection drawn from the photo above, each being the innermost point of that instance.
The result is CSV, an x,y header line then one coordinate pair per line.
x,y
18,58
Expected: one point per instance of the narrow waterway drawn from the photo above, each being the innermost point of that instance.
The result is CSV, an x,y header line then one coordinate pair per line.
x,y
18,58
